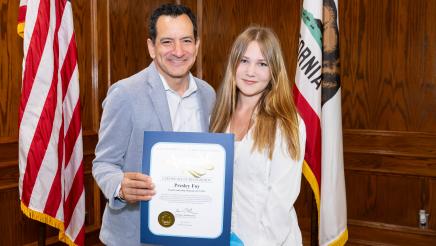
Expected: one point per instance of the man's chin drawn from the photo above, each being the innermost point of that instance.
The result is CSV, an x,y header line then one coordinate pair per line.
x,y
175,71
179,76
179,72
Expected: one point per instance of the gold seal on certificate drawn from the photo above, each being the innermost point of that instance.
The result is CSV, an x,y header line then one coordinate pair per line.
x,y
166,219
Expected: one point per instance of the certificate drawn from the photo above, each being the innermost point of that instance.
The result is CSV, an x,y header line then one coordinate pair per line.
x,y
192,173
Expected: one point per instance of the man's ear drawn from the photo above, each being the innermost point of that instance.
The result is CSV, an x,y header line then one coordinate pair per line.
x,y
151,50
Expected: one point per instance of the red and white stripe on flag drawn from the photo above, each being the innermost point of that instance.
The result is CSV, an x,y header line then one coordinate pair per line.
x,y
50,135
317,96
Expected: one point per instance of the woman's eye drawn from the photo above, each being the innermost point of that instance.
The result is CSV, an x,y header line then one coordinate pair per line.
x,y
263,64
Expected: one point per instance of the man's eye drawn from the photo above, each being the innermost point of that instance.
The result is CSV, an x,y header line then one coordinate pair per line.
x,y
187,41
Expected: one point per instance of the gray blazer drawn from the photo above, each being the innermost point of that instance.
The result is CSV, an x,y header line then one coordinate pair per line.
x,y
132,105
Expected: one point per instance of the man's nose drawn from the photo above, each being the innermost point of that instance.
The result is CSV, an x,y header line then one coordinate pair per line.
x,y
178,49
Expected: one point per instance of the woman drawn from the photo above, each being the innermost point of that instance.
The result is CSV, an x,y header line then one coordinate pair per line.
x,y
255,103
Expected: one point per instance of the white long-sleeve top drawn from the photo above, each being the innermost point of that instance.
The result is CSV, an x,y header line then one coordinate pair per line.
x,y
264,193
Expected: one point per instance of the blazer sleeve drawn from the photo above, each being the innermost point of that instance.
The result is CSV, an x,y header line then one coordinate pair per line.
x,y
114,136
284,187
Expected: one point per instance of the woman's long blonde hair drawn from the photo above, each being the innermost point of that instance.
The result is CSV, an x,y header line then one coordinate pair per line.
x,y
275,107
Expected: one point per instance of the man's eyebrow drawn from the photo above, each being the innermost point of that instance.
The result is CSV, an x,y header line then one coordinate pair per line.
x,y
166,38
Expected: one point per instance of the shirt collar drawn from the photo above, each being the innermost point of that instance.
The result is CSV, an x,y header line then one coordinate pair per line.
x,y
192,86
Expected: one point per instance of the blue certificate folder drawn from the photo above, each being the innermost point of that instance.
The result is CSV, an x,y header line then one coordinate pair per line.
x,y
226,143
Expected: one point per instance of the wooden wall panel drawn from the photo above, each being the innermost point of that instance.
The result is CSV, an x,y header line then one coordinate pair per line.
x,y
381,198
388,100
388,64
101,77
15,228
373,233
84,38
10,69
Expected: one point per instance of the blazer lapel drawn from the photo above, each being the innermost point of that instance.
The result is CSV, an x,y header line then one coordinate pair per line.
x,y
159,98
203,108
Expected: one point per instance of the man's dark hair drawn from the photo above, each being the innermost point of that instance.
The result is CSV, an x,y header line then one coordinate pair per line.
x,y
173,10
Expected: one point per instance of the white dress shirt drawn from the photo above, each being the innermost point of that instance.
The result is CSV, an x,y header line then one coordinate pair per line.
x,y
264,192
185,109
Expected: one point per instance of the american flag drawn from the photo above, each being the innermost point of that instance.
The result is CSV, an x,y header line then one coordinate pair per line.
x,y
50,135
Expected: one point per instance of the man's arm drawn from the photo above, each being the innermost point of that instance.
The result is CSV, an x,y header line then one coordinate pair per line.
x,y
114,136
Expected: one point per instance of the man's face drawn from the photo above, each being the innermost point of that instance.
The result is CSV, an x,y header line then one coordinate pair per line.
x,y
175,47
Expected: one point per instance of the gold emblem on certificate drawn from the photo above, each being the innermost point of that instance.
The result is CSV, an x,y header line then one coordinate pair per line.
x,y
201,170
166,219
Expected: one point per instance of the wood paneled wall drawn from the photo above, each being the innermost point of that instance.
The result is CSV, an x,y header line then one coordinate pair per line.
x,y
388,58
389,118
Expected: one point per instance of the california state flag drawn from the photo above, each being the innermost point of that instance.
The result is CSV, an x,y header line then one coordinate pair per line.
x,y
317,95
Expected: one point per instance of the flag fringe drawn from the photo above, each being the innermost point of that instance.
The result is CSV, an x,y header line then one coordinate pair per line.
x,y
341,240
20,29
47,219
310,177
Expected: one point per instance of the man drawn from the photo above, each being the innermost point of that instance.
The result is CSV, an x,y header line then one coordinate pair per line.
x,y
162,97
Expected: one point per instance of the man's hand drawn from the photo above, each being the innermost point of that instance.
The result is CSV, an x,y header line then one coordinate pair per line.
x,y
136,187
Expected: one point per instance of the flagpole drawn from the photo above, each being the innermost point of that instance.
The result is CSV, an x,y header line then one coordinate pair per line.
x,y
314,223
41,233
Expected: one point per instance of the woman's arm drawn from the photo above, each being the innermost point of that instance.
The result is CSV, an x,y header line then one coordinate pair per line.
x,y
284,188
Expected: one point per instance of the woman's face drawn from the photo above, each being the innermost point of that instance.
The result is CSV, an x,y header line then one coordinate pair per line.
x,y
253,72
